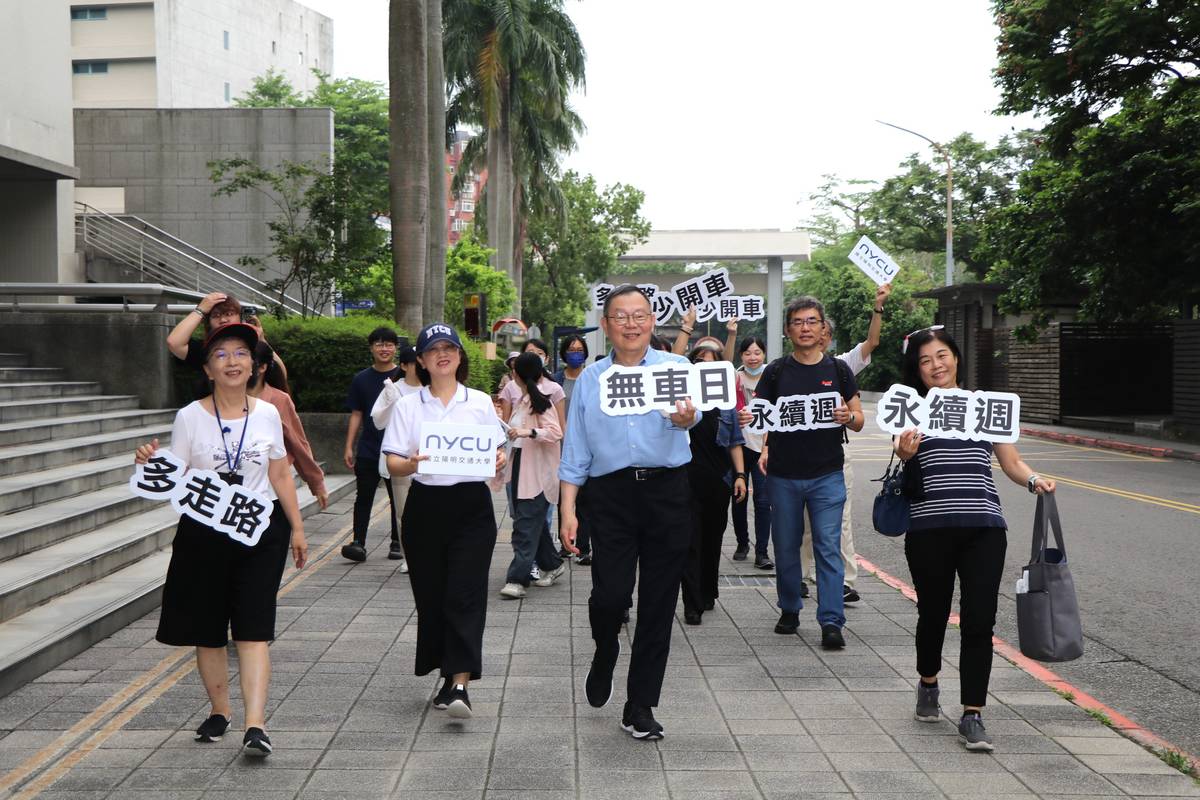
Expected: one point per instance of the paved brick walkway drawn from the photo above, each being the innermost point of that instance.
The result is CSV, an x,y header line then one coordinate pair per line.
x,y
748,713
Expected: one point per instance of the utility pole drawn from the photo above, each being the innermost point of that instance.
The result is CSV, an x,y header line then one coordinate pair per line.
x,y
949,198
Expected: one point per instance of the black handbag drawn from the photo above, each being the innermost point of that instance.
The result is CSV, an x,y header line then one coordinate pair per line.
x,y
890,514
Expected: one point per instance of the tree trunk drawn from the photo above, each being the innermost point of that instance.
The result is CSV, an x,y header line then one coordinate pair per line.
x,y
499,188
409,158
435,277
519,228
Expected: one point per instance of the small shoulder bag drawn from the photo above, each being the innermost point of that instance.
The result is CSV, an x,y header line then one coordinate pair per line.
x,y
890,514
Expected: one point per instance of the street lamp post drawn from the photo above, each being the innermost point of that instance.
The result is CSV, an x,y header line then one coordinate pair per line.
x,y
949,199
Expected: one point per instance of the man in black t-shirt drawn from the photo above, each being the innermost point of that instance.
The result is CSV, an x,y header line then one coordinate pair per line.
x,y
363,459
804,470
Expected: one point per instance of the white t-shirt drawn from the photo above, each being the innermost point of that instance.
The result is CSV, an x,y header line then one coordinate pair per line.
x,y
467,407
200,442
855,359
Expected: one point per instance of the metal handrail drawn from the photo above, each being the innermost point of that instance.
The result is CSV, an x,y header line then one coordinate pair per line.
x,y
144,291
118,238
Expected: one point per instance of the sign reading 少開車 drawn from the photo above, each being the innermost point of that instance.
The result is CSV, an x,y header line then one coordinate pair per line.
x,y
459,449
711,294
951,414
870,258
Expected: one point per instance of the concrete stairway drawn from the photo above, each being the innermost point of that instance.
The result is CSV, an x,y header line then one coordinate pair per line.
x,y
80,556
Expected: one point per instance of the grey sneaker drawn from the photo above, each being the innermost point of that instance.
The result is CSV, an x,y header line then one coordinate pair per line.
x,y
548,578
928,709
973,735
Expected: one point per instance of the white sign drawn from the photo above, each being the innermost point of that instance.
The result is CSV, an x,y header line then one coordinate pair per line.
x,y
795,412
236,511
704,289
639,390
951,414
870,258
459,449
748,307
711,293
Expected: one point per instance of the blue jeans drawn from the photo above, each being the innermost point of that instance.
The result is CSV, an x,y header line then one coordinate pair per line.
x,y
824,498
529,541
761,499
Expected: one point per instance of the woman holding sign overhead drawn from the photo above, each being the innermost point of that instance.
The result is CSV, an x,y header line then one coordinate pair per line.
x,y
449,527
215,583
956,528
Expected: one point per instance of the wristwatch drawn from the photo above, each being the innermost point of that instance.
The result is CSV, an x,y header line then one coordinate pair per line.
x,y
879,311
1030,483
533,433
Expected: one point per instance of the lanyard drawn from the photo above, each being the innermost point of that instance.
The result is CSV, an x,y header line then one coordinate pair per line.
x,y
236,461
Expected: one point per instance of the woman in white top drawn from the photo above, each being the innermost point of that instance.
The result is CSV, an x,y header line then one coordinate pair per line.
x,y
449,527
753,352
214,583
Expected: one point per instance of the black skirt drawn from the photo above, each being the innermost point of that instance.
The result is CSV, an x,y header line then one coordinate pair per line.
x,y
215,584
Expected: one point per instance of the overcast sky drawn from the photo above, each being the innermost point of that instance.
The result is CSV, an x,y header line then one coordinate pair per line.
x,y
727,114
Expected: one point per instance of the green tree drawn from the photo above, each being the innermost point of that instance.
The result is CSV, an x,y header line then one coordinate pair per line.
x,y
848,297
509,62
1116,219
270,90
1075,61
467,271
839,209
562,260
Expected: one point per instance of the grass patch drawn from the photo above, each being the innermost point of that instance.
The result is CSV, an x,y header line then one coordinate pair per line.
x,y
1064,694
1100,716
1177,760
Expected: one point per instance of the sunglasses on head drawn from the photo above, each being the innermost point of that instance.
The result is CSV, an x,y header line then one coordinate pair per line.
x,y
931,328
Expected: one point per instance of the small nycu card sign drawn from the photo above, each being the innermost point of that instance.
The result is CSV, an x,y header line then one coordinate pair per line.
x,y
459,449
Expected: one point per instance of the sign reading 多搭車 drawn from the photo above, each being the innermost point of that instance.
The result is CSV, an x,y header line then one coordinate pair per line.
x,y
870,258
459,449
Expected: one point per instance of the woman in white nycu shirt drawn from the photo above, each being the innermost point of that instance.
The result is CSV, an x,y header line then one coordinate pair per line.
x,y
214,583
449,527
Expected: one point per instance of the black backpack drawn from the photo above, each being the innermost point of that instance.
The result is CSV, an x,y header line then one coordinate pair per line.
x,y
840,367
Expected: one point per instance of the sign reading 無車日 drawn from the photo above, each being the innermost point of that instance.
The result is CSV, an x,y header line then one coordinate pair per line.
x,y
459,449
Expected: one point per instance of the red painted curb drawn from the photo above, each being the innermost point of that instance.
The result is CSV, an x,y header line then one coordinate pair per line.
x,y
1112,444
1120,722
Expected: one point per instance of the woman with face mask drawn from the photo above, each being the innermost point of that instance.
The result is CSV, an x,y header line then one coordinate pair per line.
x,y
753,353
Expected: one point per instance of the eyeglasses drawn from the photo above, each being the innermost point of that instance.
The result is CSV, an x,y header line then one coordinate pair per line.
x,y
807,322
637,318
225,355
930,329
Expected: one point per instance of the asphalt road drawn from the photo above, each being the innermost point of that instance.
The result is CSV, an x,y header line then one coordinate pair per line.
x,y
1132,530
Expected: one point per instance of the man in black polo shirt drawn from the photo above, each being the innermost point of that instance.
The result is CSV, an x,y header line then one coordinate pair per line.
x,y
804,470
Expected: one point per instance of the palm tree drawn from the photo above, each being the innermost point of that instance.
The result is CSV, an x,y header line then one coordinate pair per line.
x,y
500,55
409,157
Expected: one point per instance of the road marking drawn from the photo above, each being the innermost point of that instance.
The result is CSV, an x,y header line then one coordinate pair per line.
x,y
1175,505
1120,722
38,760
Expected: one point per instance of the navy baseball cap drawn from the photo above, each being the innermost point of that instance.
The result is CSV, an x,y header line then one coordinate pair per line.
x,y
437,332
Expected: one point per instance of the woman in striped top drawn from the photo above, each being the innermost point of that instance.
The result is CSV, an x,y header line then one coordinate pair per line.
x,y
957,528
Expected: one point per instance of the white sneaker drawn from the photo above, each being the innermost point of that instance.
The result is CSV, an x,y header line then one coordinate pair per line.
x,y
550,577
404,565
513,591
535,574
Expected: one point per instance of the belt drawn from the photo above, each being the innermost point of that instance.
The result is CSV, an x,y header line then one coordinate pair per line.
x,y
646,473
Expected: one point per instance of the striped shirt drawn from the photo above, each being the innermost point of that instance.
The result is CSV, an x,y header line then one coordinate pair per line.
x,y
959,491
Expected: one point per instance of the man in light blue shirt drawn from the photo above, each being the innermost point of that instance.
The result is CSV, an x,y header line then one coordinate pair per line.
x,y
639,513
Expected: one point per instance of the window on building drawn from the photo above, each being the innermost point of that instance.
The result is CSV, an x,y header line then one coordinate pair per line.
x,y
89,13
468,192
227,92
89,67
300,58
468,205
459,225
225,39
272,47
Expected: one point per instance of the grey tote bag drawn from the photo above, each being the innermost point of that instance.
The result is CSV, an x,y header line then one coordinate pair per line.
x,y
1048,624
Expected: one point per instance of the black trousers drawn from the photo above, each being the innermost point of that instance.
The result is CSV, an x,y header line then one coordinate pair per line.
x,y
976,555
710,515
636,525
449,535
366,481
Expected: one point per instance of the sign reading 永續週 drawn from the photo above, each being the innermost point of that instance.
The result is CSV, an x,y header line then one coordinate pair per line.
x,y
951,414
459,449
639,390
870,258
795,412
234,510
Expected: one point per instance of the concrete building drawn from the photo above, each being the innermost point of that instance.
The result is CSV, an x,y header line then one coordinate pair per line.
x,y
37,143
190,53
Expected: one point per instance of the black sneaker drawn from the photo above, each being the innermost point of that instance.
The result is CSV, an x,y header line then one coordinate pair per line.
x,y
928,708
741,552
804,590
395,552
789,622
354,552
849,595
691,617
973,735
212,729
831,638
564,553
441,700
762,562
639,722
584,560
599,683
256,743
459,706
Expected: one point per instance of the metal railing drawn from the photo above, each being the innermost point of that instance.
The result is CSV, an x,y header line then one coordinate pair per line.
x,y
101,291
156,255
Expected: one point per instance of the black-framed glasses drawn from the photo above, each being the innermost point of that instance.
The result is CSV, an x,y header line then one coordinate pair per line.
x,y
931,328
807,322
